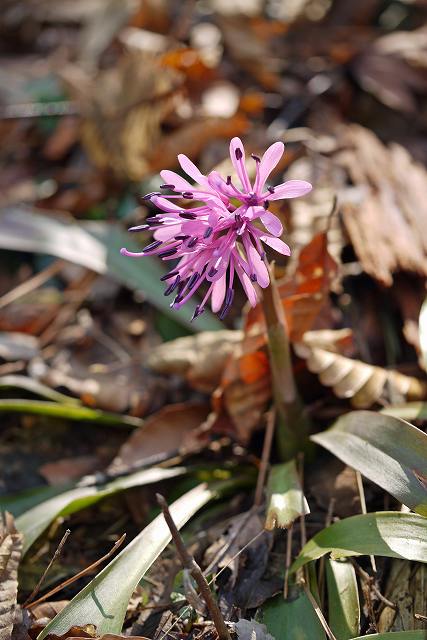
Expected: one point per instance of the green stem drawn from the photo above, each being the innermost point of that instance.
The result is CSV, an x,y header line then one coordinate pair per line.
x,y
293,425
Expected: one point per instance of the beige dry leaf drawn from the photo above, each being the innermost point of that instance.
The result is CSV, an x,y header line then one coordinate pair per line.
x,y
10,555
200,358
363,384
386,216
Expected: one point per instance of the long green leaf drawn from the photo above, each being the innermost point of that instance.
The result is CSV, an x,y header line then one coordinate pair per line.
x,y
24,383
286,500
103,602
390,452
291,619
343,599
68,412
33,522
407,411
387,533
397,635
95,245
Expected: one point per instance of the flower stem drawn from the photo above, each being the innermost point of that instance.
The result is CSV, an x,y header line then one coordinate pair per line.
x,y
293,425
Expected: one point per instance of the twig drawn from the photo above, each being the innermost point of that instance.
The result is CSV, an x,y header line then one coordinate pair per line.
x,y
364,510
46,571
319,613
265,456
288,560
366,590
371,582
189,563
82,573
31,284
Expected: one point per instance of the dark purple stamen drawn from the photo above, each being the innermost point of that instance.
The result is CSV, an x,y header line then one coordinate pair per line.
x,y
187,194
229,297
192,243
168,252
152,246
150,195
181,237
263,255
197,312
239,154
253,277
256,158
167,186
270,189
229,180
153,220
188,216
169,275
171,288
192,280
266,204
212,272
208,232
224,312
141,227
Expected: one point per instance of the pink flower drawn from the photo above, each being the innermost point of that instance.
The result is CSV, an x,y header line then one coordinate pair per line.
x,y
218,237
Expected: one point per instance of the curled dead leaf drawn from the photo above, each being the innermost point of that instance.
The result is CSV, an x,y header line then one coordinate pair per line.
x,y
10,555
363,384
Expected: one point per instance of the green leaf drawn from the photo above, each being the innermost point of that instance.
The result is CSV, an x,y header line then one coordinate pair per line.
x,y
24,383
103,602
33,522
69,411
95,245
407,411
390,452
286,500
343,599
397,635
293,619
387,533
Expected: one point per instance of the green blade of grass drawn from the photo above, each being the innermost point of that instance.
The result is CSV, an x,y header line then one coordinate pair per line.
x,y
343,599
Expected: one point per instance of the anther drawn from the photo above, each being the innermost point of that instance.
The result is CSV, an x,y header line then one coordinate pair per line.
x,y
168,252
256,158
187,194
197,312
192,243
229,180
152,246
270,189
192,280
266,204
141,227
212,272
171,288
208,232
148,196
188,216
167,186
239,154
253,277
169,275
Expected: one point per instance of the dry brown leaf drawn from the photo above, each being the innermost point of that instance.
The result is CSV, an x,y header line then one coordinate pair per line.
x,y
10,555
363,384
68,469
406,587
387,217
200,358
167,433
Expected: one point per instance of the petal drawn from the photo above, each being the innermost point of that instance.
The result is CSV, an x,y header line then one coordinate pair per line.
x,y
166,233
247,286
291,189
272,223
277,245
165,204
191,169
269,161
257,264
236,146
218,293
180,184
217,182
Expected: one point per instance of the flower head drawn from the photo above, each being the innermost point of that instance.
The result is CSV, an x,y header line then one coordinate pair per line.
x,y
221,237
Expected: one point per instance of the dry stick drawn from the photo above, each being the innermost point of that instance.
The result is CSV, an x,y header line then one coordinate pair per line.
x,y
288,560
319,613
366,590
188,562
46,571
371,581
82,573
31,284
265,456
364,510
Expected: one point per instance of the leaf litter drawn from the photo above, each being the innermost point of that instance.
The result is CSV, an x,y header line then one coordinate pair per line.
x,y
98,98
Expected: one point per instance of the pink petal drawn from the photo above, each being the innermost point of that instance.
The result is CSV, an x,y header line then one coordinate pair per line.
x,y
170,177
269,161
166,233
272,223
218,293
257,264
247,286
277,245
239,165
165,204
217,182
191,169
291,189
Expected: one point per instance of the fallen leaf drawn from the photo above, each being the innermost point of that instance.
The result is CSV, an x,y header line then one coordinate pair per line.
x,y
405,587
18,346
10,555
69,469
167,433
251,630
